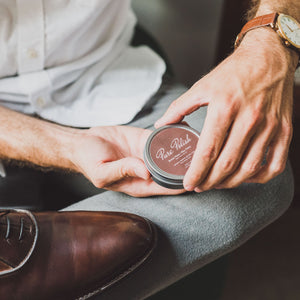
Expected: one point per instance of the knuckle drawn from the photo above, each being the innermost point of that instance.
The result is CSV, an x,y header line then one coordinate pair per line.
x,y
226,111
210,153
227,103
273,122
278,169
230,105
122,172
255,117
260,105
251,168
227,165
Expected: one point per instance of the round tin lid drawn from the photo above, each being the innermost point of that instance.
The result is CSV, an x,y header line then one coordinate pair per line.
x,y
169,151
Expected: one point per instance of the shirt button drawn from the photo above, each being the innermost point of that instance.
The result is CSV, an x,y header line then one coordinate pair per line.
x,y
32,53
40,102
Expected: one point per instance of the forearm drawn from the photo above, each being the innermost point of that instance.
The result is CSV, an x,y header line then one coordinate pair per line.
x,y
290,7
24,138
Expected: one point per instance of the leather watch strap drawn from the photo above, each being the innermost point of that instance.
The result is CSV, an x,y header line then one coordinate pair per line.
x,y
266,20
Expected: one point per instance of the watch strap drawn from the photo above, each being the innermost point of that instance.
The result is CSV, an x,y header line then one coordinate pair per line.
x,y
266,20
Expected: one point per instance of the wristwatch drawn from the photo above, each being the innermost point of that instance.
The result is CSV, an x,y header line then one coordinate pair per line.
x,y
285,26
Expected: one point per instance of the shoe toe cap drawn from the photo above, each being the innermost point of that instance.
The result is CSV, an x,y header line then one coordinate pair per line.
x,y
125,241
116,245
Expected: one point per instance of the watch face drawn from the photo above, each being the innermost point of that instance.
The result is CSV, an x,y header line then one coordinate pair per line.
x,y
290,28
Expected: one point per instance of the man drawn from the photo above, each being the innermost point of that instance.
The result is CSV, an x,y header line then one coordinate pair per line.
x,y
249,114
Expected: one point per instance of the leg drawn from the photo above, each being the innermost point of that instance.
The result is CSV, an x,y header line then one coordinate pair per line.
x,y
193,229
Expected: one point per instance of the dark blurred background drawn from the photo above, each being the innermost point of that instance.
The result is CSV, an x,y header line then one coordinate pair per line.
x,y
195,35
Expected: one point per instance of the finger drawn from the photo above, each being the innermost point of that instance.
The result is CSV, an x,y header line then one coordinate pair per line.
x,y
183,106
217,123
237,141
252,161
276,157
110,172
137,187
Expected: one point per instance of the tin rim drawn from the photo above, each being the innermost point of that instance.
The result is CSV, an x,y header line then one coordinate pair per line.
x,y
157,172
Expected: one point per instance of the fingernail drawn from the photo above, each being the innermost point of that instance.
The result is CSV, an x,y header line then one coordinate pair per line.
x,y
189,188
198,190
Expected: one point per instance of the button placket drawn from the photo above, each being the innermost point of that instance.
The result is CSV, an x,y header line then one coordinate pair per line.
x,y
30,24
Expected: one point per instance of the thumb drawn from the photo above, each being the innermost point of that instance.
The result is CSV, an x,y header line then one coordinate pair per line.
x,y
181,107
111,172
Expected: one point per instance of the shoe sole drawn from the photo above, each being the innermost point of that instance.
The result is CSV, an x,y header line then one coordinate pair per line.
x,y
129,270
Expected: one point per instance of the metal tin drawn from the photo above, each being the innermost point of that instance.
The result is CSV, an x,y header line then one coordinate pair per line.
x,y
168,153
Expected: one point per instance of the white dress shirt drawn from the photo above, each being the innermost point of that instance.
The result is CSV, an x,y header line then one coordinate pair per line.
x,y
70,61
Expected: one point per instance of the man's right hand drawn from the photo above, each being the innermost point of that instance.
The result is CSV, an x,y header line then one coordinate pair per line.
x,y
112,158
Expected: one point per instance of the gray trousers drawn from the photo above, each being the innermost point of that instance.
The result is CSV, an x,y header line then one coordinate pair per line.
x,y
193,229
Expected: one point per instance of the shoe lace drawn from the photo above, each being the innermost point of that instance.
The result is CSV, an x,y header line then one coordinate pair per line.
x,y
31,225
5,216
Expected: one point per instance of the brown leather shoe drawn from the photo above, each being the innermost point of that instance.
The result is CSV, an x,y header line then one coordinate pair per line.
x,y
67,255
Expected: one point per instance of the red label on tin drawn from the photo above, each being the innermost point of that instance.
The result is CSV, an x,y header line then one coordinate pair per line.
x,y
172,150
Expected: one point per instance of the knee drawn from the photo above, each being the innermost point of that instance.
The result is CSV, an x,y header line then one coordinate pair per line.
x,y
240,213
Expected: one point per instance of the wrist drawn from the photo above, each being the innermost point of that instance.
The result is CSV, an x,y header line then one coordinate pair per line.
x,y
76,150
266,43
63,141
